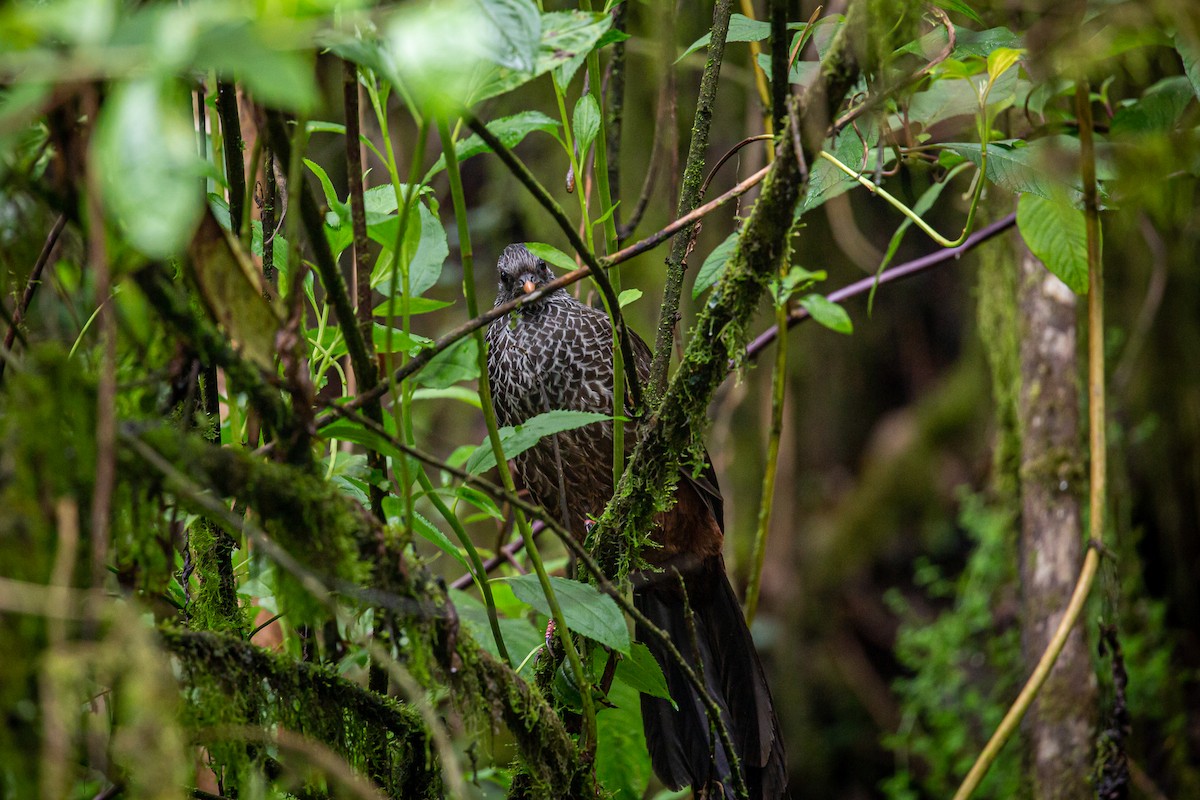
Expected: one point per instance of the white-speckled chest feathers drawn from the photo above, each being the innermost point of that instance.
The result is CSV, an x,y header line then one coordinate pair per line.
x,y
556,354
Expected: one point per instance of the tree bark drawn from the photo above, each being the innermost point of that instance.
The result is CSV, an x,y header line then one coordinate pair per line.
x,y
1061,722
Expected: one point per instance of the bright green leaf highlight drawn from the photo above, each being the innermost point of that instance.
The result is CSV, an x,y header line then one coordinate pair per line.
x,y
520,438
1056,232
586,610
827,313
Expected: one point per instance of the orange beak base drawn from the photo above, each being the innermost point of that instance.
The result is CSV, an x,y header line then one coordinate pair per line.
x,y
529,287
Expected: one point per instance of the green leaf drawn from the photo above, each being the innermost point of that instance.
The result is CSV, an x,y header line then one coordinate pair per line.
x,y
801,72
456,363
248,52
516,29
1001,60
393,509
331,197
622,759
551,255
641,672
440,78
1189,54
509,130
520,438
714,266
425,246
520,636
478,499
1056,232
1045,167
567,38
585,122
416,305
628,296
145,151
462,393
1158,111
960,7
826,181
586,610
741,29
827,313
345,430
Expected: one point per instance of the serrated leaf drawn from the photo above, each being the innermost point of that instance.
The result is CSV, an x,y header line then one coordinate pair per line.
x,y
628,296
1045,167
551,255
517,439
586,610
828,313
145,152
641,672
393,509
1056,232
509,130
826,181
586,122
714,265
1157,111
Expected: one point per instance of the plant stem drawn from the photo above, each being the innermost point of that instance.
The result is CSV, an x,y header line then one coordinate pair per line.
x,y
1097,445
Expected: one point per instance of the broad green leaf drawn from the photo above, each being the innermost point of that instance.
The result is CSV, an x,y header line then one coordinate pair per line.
x,y
642,673
517,439
628,296
424,242
276,74
454,364
520,636
801,72
232,290
1056,232
473,496
1158,111
714,266
552,255
427,531
1189,54
509,130
585,609
564,72
145,151
967,42
440,78
585,122
827,313
946,99
741,29
515,32
334,342
1046,167
622,760
567,37
797,279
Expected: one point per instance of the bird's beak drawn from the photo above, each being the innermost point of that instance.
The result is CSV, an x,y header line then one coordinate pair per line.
x,y
528,286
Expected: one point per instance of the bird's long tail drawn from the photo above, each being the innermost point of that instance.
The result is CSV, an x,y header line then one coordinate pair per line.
x,y
684,748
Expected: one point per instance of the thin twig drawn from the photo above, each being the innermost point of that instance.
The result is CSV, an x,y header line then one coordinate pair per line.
x,y
35,280
906,270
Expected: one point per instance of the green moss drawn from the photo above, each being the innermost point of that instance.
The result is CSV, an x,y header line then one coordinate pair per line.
x,y
232,684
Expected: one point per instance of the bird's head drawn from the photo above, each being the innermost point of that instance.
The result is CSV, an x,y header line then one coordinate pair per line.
x,y
521,273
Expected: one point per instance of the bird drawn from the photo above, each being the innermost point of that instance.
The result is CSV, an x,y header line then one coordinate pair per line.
x,y
557,353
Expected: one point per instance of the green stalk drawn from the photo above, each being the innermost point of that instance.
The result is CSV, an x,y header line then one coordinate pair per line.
x,y
611,246
468,256
489,416
778,385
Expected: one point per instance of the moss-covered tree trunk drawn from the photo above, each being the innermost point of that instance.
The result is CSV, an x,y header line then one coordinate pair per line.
x,y
1060,723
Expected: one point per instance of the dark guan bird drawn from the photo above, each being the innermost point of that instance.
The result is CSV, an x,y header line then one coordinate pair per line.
x,y
557,354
